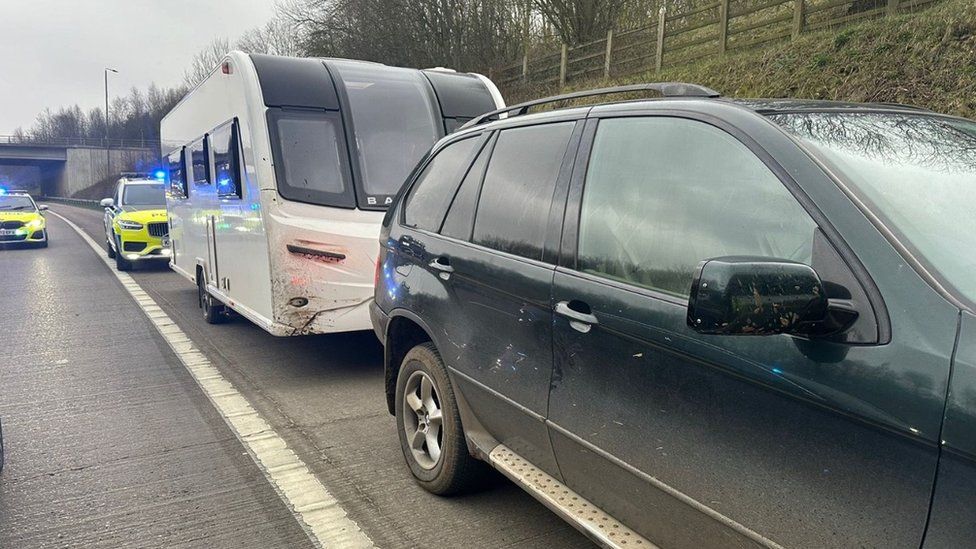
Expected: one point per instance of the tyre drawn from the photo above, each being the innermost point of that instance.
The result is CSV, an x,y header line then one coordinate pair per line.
x,y
214,312
121,263
429,425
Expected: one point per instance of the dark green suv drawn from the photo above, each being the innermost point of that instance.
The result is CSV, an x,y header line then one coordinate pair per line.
x,y
694,321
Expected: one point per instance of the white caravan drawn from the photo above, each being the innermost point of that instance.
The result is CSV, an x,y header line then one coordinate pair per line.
x,y
280,170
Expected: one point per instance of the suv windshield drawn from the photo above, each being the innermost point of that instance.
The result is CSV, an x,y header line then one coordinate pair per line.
x,y
15,202
144,195
395,123
916,172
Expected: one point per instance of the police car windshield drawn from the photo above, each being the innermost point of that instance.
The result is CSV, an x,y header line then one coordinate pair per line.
x,y
16,202
144,195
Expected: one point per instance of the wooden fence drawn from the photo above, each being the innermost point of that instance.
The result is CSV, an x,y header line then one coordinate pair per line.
x,y
712,29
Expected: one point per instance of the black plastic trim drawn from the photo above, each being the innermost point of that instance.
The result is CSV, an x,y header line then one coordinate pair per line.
x,y
310,251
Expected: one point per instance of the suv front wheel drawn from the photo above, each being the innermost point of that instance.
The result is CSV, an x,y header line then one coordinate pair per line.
x,y
429,425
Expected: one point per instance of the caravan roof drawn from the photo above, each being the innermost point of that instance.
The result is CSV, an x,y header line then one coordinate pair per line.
x,y
426,105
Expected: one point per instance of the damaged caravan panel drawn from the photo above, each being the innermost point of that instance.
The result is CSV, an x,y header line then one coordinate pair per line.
x,y
280,171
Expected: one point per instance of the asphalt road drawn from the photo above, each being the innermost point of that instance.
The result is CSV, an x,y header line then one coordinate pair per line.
x,y
322,394
109,441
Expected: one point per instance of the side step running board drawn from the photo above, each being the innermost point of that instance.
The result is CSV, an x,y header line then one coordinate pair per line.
x,y
572,507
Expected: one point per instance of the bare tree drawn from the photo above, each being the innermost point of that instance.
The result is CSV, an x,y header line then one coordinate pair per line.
x,y
581,21
276,37
133,116
462,34
204,61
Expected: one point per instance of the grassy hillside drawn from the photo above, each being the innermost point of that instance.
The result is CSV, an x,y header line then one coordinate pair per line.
x,y
926,59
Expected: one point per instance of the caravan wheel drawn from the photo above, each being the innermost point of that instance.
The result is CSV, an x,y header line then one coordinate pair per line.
x,y
214,312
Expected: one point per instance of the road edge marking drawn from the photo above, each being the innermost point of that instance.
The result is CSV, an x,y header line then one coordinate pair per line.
x,y
317,511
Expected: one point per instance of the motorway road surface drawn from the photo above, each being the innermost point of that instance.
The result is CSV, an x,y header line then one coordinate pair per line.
x,y
110,442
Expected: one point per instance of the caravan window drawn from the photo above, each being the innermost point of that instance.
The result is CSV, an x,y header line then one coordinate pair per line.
x,y
395,119
200,168
177,176
310,157
226,160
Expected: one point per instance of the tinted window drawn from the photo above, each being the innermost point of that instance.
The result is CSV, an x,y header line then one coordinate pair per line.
x,y
310,158
395,122
177,177
226,163
144,195
436,185
461,213
514,206
663,194
200,165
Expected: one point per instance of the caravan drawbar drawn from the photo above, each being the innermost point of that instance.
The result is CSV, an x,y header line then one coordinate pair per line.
x,y
280,170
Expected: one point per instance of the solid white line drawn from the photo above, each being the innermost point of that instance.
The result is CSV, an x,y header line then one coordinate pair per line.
x,y
318,512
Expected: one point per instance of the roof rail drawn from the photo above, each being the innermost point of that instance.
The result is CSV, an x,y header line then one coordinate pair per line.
x,y
902,106
666,89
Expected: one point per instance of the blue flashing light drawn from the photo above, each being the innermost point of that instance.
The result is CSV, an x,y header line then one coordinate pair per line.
x,y
777,371
3,191
159,174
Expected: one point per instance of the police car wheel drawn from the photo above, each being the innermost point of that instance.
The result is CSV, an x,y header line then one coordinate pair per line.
x,y
121,263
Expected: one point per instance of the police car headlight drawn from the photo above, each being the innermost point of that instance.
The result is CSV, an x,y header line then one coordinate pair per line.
x,y
35,223
129,225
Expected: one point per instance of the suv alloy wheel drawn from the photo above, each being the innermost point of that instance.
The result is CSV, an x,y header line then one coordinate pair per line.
x,y
429,426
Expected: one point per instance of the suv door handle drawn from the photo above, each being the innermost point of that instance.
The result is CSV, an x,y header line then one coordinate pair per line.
x,y
443,265
580,321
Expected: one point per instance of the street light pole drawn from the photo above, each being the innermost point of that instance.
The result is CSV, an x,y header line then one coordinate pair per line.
x,y
108,145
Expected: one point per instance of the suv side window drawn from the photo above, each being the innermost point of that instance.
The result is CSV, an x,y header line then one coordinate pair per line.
x,y
458,222
435,187
663,194
513,210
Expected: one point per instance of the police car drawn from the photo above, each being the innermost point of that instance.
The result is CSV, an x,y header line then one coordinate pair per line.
x,y
21,219
136,224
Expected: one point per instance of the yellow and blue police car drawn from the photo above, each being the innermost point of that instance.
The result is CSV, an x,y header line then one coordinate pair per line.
x,y
136,224
21,220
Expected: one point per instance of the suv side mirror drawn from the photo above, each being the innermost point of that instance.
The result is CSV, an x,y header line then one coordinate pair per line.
x,y
107,203
756,296
42,207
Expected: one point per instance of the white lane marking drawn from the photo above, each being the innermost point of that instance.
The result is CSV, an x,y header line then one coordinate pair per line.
x,y
320,515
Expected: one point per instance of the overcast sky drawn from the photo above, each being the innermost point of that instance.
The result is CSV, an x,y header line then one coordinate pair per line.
x,y
53,51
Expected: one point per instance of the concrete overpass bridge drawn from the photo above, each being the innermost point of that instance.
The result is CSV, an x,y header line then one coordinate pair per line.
x,y
65,167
